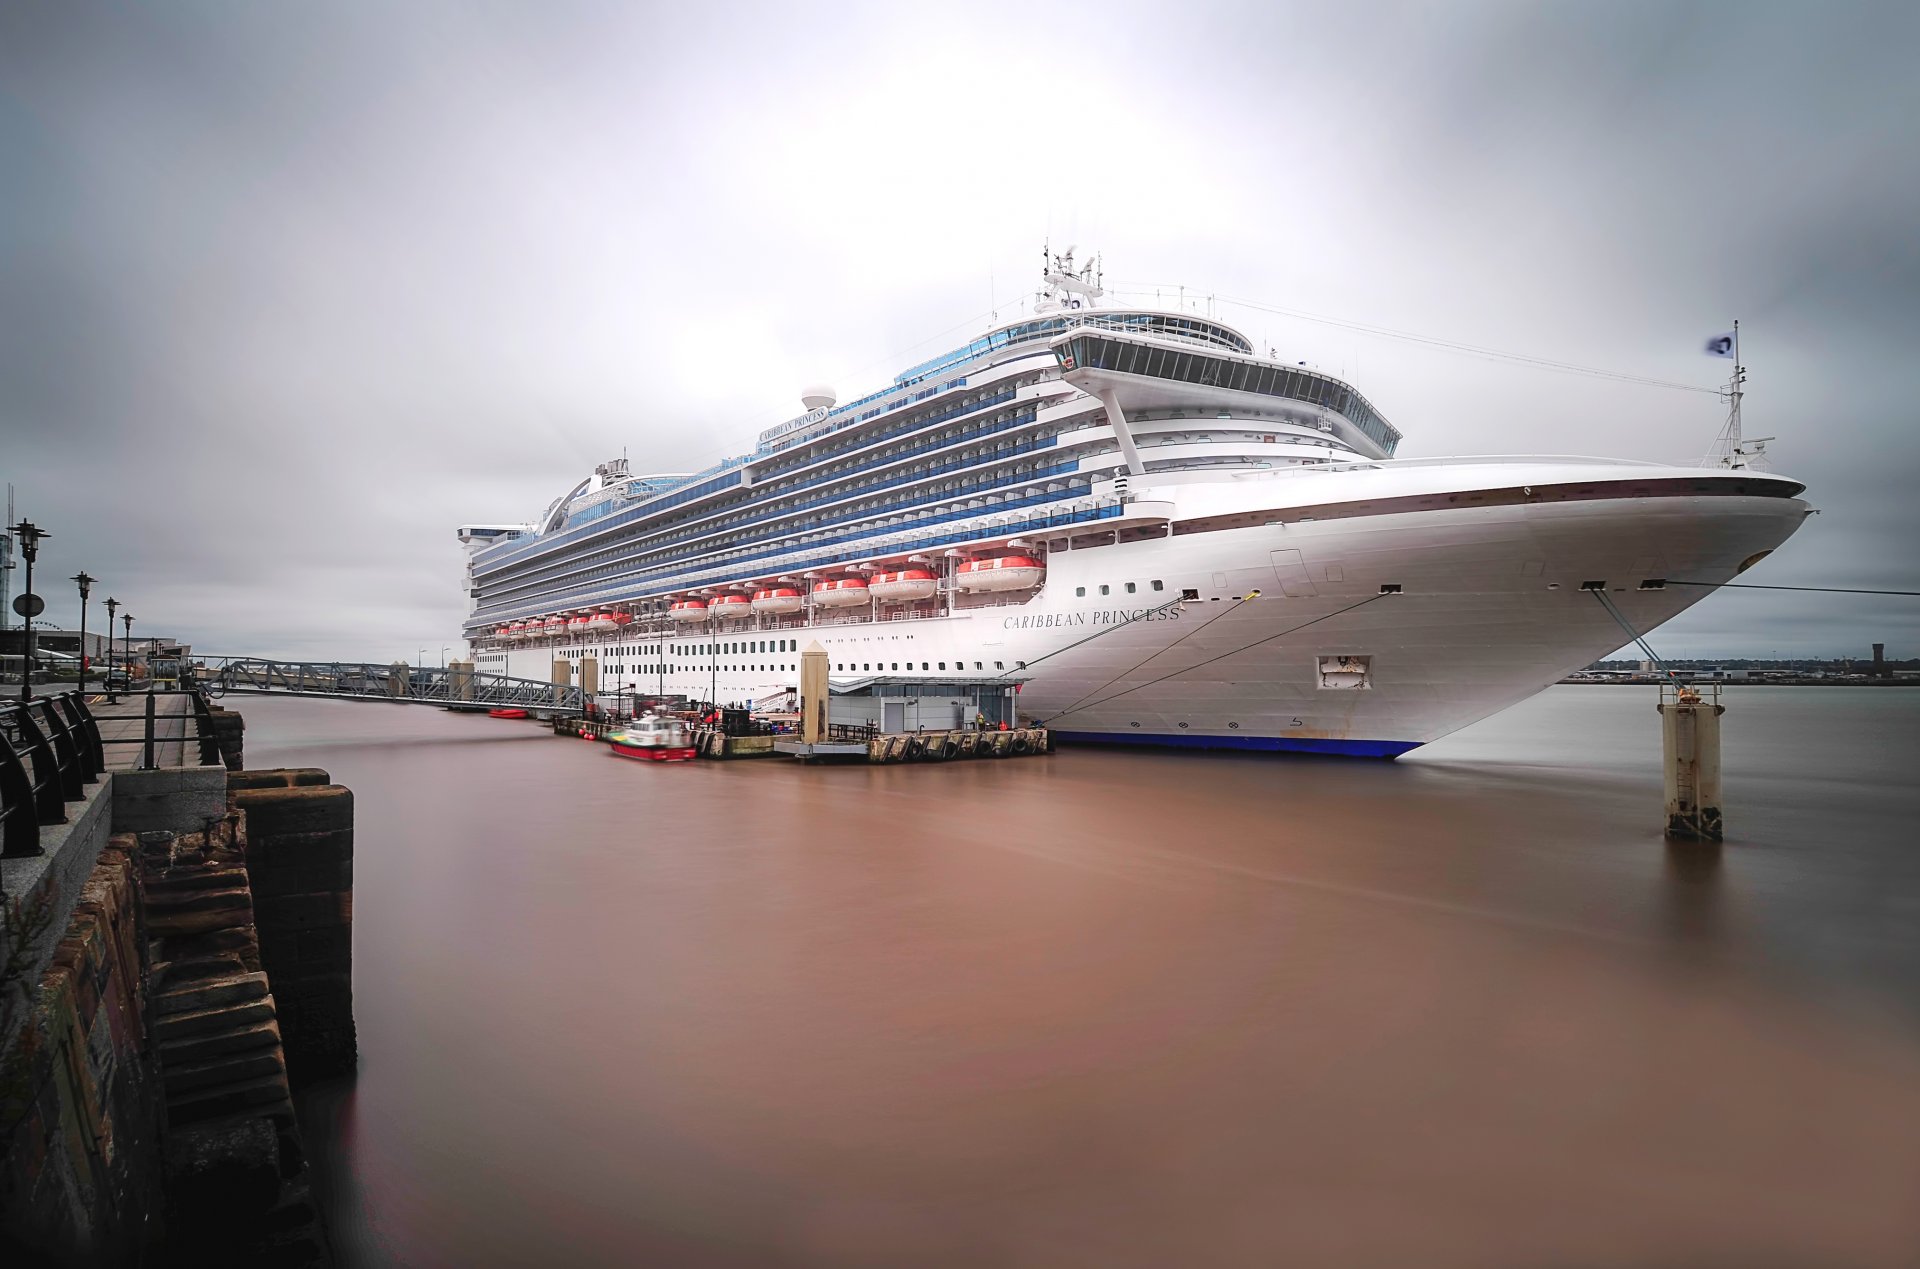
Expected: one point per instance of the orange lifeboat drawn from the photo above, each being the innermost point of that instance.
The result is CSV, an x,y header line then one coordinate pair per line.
x,y
553,626
904,586
600,622
840,592
778,599
725,606
620,619
578,625
688,610
1006,572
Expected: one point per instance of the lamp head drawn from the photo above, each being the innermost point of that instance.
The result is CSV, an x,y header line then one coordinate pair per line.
x,y
84,582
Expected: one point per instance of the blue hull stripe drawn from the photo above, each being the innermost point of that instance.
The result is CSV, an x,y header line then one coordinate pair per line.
x,y
1288,744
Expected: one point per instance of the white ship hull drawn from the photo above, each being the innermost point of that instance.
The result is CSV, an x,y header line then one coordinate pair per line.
x,y
1489,607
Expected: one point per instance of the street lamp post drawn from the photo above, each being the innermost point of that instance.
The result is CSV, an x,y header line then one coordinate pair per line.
x,y
113,605
29,534
126,648
85,583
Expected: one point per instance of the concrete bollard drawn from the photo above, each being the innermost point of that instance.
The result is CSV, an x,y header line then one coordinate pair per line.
x,y
1690,748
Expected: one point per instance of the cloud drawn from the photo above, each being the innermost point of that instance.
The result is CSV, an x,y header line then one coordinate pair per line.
x,y
289,294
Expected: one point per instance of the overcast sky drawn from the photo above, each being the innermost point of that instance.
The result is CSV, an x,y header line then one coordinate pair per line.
x,y
287,292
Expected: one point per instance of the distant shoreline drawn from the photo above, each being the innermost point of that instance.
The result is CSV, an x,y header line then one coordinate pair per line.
x,y
1650,681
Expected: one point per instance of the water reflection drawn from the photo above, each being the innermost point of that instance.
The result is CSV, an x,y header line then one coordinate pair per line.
x,y
1115,1009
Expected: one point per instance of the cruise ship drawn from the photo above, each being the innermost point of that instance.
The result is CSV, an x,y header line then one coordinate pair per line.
x,y
1160,535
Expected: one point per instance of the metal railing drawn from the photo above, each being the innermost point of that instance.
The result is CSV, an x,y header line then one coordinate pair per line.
x,y
415,685
50,750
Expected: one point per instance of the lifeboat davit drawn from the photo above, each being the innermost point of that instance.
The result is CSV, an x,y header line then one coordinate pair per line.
x,y
1006,572
725,606
904,586
600,622
840,592
688,610
778,599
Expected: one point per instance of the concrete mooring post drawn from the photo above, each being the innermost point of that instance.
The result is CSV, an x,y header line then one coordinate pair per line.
x,y
813,694
1690,747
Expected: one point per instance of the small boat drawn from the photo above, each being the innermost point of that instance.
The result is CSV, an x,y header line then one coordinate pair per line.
x,y
778,599
506,713
727,606
1006,572
653,738
840,592
903,586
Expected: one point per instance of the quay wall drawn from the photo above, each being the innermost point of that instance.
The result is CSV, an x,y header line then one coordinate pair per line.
x,y
80,1109
176,961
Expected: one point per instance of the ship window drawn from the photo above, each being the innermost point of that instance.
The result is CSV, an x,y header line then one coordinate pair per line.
x,y
1080,592
999,665
1189,593
1159,585
943,665
1131,588
896,665
978,666
1105,589
925,666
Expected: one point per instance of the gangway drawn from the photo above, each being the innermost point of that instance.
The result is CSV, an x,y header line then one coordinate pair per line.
x,y
453,686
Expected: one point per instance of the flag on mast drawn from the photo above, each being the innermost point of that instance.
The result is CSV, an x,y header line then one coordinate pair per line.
x,y
1720,345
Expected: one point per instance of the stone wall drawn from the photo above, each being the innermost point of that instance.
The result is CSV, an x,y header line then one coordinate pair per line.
x,y
80,1118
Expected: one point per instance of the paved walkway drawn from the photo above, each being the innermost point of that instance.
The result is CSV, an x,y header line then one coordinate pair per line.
x,y
127,720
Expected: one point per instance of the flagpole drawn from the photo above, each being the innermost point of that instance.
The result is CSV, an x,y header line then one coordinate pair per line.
x,y
1733,421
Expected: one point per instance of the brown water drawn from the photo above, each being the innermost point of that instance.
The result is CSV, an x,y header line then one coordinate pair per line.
x,y
1124,1009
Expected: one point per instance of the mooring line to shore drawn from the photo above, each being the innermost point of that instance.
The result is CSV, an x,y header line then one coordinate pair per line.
x,y
1140,616
1224,655
1234,606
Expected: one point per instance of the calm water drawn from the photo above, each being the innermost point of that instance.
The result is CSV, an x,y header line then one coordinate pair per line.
x,y
1125,1009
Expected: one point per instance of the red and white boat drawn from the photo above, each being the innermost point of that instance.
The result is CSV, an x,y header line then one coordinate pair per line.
x,y
778,600
553,627
601,622
1003,572
725,606
688,610
653,738
904,586
840,592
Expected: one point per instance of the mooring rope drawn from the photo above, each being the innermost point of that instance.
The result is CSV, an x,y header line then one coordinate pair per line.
x,y
1639,639
1249,597
1224,655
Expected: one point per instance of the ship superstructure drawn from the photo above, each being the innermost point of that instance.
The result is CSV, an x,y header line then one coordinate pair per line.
x,y
1165,536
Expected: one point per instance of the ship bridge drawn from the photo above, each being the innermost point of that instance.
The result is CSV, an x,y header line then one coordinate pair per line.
x,y
1134,372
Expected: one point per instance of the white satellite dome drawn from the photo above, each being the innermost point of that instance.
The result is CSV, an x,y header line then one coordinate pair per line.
x,y
818,396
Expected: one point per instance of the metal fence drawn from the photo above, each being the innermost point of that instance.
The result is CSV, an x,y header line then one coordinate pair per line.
x,y
50,750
